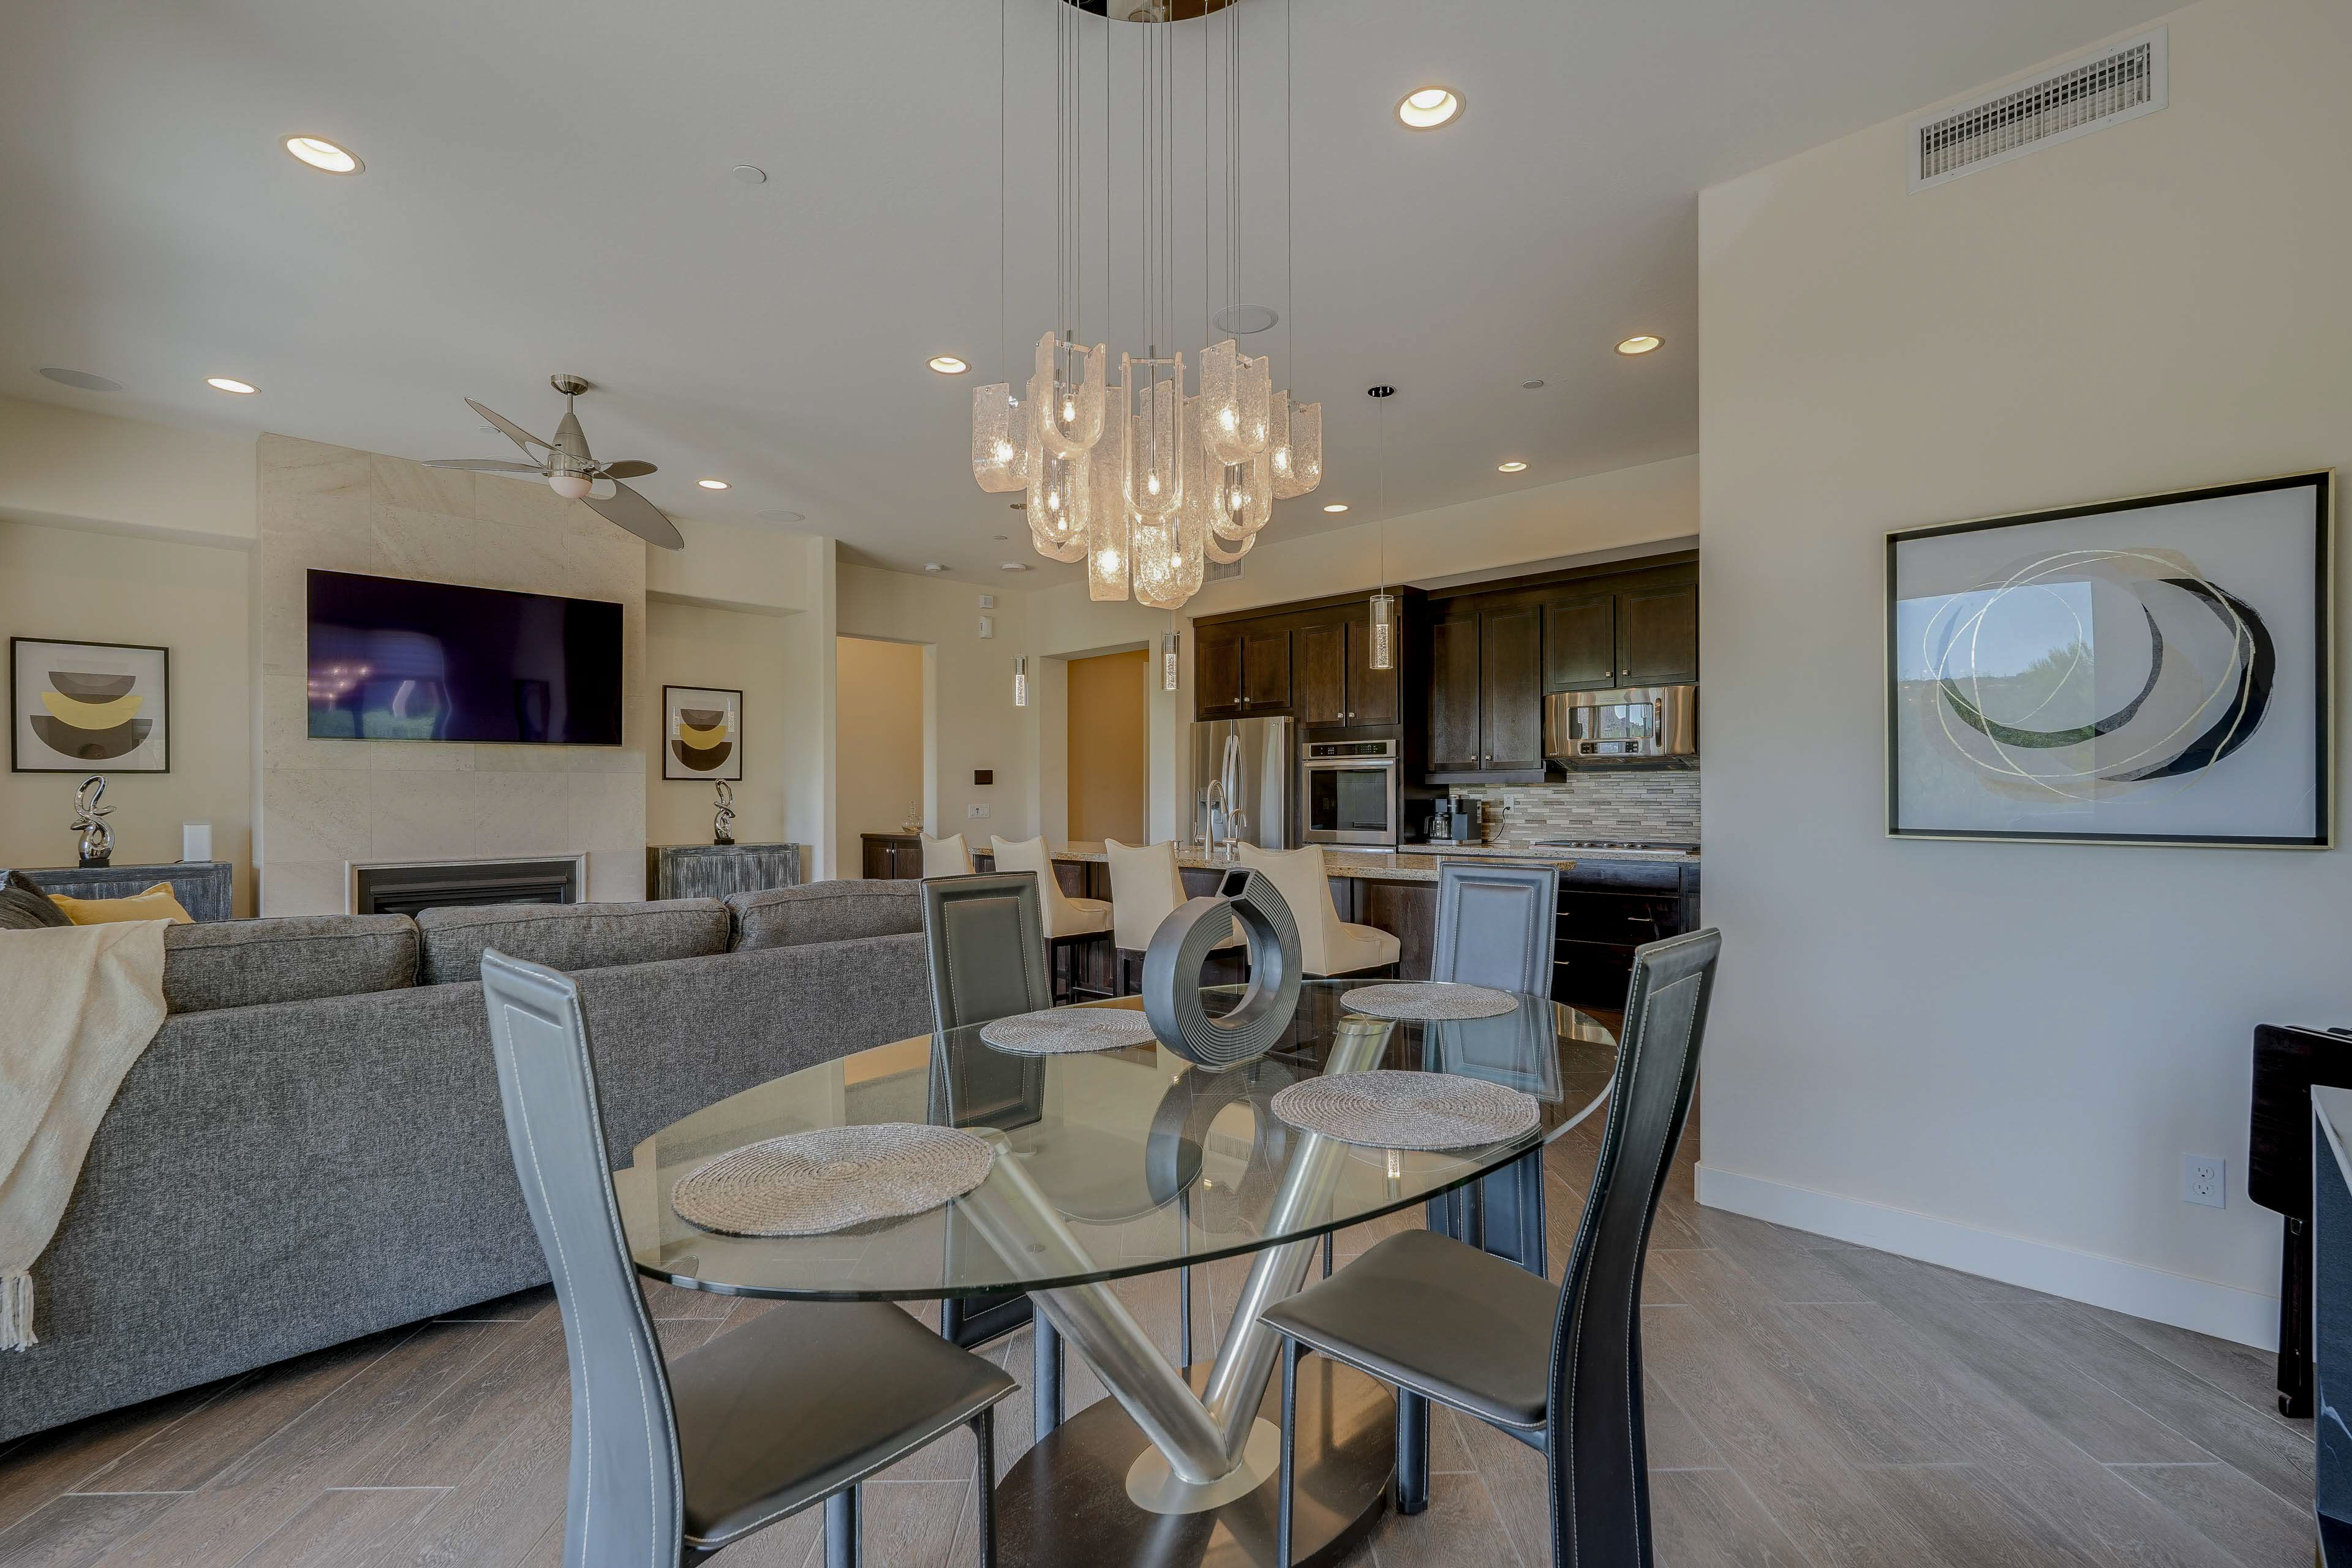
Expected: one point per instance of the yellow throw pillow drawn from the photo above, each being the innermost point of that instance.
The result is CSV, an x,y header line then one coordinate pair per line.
x,y
157,904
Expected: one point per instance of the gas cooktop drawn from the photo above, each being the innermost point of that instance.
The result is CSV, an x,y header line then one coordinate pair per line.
x,y
1656,845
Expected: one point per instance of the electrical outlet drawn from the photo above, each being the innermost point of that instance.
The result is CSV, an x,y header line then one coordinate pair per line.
x,y
2201,1180
975,811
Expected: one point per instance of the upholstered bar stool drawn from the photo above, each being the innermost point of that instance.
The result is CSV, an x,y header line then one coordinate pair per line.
x,y
949,856
1070,923
1328,946
1145,887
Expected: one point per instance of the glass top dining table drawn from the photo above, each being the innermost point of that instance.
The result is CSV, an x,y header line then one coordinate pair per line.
x,y
1129,1161
1145,1160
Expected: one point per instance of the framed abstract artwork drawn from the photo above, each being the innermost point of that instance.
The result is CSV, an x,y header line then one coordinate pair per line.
x,y
702,732
89,707
2154,671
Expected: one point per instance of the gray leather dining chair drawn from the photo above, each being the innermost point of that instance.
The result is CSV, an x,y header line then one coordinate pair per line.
x,y
1560,1368
1496,926
985,940
674,1461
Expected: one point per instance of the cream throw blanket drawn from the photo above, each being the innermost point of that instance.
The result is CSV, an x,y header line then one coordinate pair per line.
x,y
77,1005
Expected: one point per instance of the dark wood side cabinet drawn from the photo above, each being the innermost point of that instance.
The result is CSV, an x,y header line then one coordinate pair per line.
x,y
889,856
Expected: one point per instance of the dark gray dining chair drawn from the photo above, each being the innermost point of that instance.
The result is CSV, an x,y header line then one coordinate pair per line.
x,y
672,1461
986,943
1496,926
1560,1368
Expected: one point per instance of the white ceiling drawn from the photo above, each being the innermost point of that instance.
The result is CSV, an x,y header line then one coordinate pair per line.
x,y
547,189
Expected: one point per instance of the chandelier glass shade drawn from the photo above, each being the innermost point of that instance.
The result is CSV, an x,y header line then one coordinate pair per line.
x,y
1143,480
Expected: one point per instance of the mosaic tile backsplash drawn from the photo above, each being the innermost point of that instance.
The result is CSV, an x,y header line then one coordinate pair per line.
x,y
1663,805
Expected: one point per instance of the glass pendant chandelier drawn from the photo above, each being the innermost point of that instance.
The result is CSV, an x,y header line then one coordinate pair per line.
x,y
1142,480
1383,608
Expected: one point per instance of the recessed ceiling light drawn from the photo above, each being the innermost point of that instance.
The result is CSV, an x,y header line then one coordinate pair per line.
x,y
1534,385
781,515
1638,345
1427,107
229,383
1001,537
933,566
81,379
1337,506
712,484
324,155
1512,467
1014,566
947,364
750,173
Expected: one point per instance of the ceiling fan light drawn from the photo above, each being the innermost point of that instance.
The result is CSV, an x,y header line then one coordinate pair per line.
x,y
570,487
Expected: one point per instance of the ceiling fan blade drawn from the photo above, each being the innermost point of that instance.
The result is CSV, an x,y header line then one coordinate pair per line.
x,y
486,465
508,427
639,516
629,470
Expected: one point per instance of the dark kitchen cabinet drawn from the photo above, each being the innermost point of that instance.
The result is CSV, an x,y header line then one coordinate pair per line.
x,y
1454,731
1657,636
1580,642
1371,693
1266,671
891,855
1486,693
1323,674
1217,672
1336,683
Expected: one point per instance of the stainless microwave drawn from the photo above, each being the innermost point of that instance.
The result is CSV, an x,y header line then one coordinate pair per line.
x,y
1631,724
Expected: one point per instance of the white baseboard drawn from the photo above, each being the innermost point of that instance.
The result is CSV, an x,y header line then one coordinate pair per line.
x,y
2223,1310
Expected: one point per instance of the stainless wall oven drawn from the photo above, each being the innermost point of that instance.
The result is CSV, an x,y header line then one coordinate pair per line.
x,y
1350,792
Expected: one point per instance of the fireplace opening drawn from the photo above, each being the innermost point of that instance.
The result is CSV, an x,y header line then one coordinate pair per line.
x,y
407,889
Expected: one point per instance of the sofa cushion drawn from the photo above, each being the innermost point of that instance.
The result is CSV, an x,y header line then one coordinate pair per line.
x,y
294,958
567,936
825,911
153,902
24,907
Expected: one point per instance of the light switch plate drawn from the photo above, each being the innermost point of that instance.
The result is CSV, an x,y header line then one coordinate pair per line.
x,y
988,626
975,811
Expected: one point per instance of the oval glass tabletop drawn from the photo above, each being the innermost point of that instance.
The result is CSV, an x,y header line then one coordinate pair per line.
x,y
1128,1160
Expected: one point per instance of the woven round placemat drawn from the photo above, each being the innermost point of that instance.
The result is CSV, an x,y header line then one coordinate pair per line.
x,y
1387,1109
1429,999
1061,1029
807,1183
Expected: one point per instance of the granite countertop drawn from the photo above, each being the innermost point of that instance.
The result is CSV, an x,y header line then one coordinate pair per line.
x,y
1526,847
1371,865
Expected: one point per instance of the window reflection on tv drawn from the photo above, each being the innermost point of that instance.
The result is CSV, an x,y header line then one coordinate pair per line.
x,y
397,660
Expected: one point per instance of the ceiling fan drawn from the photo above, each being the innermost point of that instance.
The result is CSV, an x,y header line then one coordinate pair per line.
x,y
572,473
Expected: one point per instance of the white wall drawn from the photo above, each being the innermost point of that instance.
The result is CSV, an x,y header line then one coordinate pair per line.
x,y
970,716
1997,1054
78,469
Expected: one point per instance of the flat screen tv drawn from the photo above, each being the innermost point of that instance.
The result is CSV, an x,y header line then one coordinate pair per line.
x,y
397,660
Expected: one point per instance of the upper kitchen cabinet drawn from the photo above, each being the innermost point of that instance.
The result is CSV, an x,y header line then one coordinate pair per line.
x,y
1217,671
1486,695
1642,630
1657,636
1336,684
1265,670
1241,669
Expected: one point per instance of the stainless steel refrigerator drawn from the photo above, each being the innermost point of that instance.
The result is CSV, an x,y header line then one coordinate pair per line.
x,y
1242,782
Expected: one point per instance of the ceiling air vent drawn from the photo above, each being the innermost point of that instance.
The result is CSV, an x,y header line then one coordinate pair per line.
x,y
2116,84
1220,571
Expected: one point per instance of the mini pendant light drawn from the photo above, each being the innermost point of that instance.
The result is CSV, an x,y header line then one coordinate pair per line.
x,y
1020,681
1384,604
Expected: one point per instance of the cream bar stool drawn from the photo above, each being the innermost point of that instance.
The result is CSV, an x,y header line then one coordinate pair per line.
x,y
1070,923
949,856
1326,944
1145,888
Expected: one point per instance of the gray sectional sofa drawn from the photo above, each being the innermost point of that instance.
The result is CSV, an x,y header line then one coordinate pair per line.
x,y
312,1149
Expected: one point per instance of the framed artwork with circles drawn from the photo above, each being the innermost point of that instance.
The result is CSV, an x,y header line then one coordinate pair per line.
x,y
702,732
83,707
2154,671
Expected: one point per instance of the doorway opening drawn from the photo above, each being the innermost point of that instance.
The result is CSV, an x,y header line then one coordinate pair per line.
x,y
1110,746
880,769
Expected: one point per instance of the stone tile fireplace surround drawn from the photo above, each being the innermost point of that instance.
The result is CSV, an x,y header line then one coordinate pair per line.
x,y
326,804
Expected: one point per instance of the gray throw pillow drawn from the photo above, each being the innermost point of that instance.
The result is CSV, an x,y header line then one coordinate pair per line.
x,y
24,907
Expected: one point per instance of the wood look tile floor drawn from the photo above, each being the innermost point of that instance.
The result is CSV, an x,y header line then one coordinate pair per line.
x,y
1809,1403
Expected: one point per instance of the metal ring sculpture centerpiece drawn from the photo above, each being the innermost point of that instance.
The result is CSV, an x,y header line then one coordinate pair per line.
x,y
1172,964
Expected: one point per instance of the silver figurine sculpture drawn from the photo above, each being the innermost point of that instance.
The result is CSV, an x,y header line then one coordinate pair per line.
x,y
90,820
722,821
